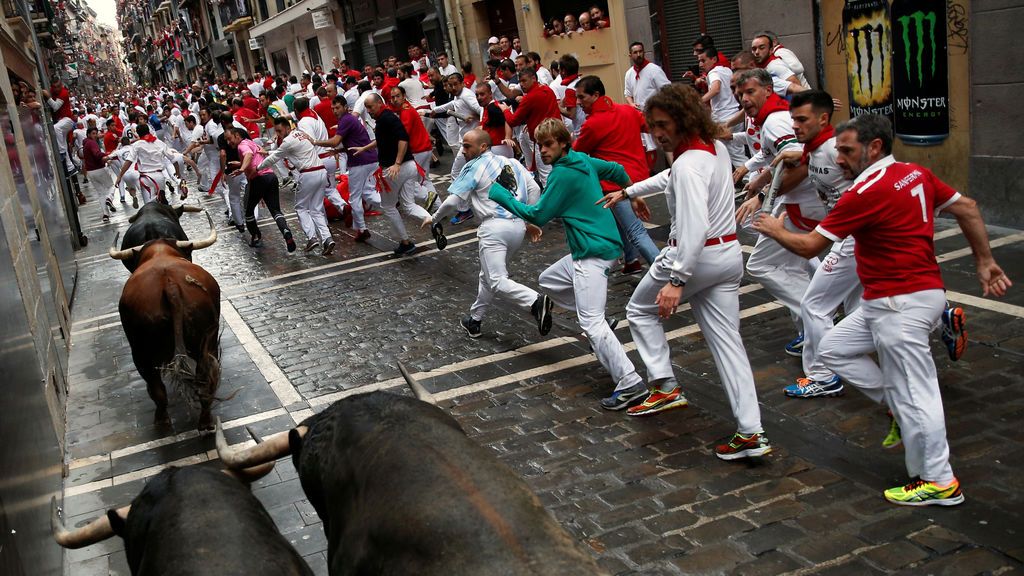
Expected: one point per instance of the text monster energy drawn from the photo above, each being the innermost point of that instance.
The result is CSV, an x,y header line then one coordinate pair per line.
x,y
920,71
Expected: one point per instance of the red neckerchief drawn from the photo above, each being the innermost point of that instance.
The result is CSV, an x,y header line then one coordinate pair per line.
x,y
602,104
637,69
148,138
773,104
767,60
308,113
568,79
694,143
816,142
722,60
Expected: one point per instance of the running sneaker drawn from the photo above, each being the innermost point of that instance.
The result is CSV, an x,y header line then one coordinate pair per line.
x,y
328,247
472,326
954,336
461,217
925,493
440,240
122,200
110,205
624,398
894,438
807,388
135,202
310,244
106,219
541,310
289,241
431,200
634,267
363,236
405,249
658,401
796,346
744,446
256,241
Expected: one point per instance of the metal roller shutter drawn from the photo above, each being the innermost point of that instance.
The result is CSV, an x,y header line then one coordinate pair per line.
x,y
682,25
722,22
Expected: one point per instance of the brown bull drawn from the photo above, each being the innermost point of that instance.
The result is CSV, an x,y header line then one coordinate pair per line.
x,y
170,311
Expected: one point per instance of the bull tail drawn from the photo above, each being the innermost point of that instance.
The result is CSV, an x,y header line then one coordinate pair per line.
x,y
180,372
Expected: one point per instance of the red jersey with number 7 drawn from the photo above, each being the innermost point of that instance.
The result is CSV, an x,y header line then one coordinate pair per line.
x,y
890,211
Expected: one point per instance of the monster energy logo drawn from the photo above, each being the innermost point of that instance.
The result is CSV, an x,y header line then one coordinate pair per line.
x,y
918,18
868,33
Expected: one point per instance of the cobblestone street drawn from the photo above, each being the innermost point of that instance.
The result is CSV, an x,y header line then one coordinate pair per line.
x,y
644,495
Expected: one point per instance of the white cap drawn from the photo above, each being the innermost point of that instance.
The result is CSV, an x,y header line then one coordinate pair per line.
x,y
492,40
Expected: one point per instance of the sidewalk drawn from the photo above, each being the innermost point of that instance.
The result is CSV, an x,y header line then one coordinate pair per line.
x,y
645,495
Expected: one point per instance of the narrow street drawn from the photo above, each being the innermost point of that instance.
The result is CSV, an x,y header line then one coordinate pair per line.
x,y
645,495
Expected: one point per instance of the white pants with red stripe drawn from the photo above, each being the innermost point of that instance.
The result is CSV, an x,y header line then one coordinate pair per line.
x,y
500,239
309,204
713,294
897,328
782,273
835,282
151,184
582,286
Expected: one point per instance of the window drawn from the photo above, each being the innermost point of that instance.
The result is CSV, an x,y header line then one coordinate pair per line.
x,y
681,21
313,52
280,61
561,15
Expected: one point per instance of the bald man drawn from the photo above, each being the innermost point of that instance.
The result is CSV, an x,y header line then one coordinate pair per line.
x,y
500,233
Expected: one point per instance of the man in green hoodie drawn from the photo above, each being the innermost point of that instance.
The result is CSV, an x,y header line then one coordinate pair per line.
x,y
579,281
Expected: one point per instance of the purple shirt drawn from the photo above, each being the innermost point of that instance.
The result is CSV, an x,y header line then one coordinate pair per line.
x,y
92,156
249,147
353,135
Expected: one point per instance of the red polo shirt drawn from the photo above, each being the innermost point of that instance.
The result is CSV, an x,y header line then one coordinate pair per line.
x,y
539,103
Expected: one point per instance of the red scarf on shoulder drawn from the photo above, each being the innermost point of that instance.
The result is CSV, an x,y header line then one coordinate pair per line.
x,y
816,142
148,138
568,79
694,143
642,65
307,113
773,104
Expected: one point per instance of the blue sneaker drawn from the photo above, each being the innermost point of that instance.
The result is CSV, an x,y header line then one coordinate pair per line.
x,y
621,399
807,388
461,217
953,334
796,346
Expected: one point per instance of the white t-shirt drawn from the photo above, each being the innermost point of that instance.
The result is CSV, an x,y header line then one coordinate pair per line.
x,y
641,85
824,173
723,104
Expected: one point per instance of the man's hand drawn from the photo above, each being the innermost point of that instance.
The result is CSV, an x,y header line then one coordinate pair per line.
x,y
747,209
770,226
612,198
534,232
392,171
790,157
668,300
356,150
739,173
994,281
641,210
426,222
303,135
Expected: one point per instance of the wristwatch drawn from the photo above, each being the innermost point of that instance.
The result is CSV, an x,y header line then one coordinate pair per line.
x,y
676,282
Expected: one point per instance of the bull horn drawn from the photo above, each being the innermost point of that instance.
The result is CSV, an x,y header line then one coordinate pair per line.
x,y
256,437
250,475
275,447
417,388
192,208
96,531
124,254
200,244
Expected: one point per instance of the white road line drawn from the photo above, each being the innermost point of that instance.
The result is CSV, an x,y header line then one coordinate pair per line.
x,y
986,304
1012,238
279,383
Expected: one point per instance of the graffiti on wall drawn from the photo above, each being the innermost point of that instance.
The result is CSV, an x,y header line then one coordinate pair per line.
x,y
897,64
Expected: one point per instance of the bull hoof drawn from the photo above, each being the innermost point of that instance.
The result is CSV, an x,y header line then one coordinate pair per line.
x,y
161,418
205,424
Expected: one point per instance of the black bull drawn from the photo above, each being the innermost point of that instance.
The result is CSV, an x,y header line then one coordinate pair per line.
x,y
170,312
155,221
401,489
191,522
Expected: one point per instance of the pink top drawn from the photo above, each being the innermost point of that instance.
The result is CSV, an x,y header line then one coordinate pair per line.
x,y
250,147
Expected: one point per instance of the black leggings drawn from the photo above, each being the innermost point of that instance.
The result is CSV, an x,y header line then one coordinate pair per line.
x,y
264,187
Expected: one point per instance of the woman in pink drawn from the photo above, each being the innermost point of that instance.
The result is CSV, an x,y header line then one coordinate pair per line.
x,y
262,186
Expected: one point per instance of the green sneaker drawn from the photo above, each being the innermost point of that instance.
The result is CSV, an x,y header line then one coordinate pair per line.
x,y
893,439
924,493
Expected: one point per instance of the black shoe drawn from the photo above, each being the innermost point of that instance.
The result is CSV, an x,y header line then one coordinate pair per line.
x,y
256,241
328,247
110,205
625,398
310,244
289,241
437,231
122,200
541,310
472,326
240,227
363,236
405,249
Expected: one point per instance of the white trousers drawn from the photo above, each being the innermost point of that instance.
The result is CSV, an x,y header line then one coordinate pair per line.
x,y
782,273
713,294
423,186
309,204
499,239
897,328
331,189
835,282
103,183
360,185
541,169
63,127
236,187
212,168
151,184
402,196
582,286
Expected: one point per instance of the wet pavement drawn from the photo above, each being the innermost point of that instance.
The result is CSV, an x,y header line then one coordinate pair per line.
x,y
645,496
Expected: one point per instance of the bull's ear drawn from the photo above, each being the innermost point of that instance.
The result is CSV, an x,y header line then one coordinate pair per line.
x,y
295,443
179,211
117,523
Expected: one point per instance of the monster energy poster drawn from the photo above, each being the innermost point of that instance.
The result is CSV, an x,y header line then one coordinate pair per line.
x,y
868,65
920,71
